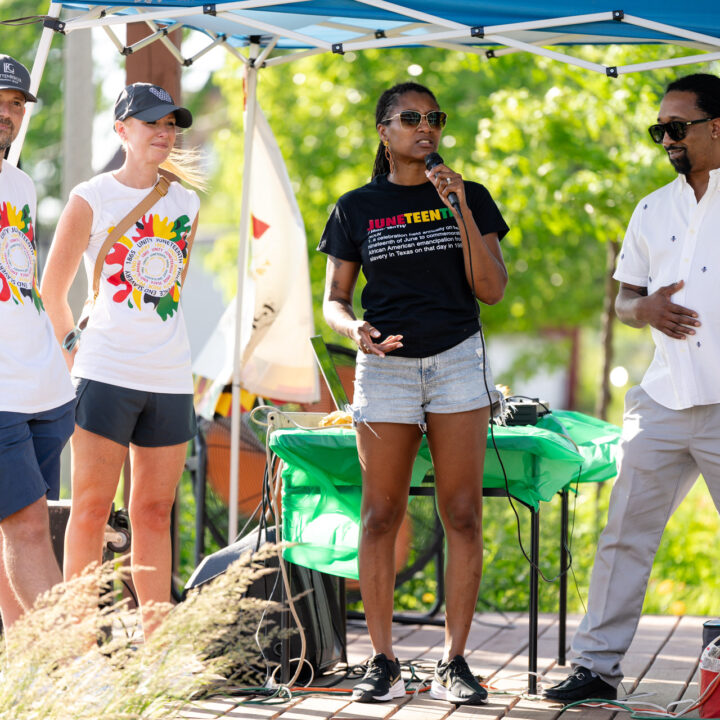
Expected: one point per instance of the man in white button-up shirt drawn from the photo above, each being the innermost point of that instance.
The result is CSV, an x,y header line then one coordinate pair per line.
x,y
669,273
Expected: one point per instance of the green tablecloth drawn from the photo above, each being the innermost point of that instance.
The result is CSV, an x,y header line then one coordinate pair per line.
x,y
321,478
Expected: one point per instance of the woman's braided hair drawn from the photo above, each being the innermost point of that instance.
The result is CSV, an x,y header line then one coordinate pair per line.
x,y
383,109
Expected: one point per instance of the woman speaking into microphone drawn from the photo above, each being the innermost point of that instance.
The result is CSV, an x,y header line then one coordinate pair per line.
x,y
421,366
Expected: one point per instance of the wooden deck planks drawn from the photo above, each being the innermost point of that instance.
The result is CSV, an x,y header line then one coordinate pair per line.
x,y
662,660
315,707
692,692
673,665
513,676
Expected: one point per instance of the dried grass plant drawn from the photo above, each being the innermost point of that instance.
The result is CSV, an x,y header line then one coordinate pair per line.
x,y
53,670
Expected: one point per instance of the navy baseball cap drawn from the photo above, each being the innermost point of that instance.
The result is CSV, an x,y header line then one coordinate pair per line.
x,y
14,76
148,102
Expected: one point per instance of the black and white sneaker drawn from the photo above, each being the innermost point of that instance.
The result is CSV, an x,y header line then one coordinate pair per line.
x,y
454,682
581,684
382,681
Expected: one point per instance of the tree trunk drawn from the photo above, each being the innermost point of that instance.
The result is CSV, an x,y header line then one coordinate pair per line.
x,y
608,323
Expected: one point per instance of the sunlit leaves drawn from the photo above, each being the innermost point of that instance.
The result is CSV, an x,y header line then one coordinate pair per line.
x,y
564,152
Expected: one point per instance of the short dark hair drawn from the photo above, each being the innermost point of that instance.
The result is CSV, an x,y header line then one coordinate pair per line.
x,y
382,110
706,88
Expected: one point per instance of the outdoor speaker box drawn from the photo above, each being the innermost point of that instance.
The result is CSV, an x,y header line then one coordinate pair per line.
x,y
59,511
320,607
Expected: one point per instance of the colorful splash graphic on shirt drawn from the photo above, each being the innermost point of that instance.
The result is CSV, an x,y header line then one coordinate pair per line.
x,y
18,257
151,261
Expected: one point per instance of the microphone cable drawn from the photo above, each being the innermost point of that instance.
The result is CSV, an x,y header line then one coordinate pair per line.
x,y
535,566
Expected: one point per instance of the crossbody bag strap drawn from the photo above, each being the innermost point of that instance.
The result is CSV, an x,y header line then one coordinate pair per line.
x,y
159,190
190,240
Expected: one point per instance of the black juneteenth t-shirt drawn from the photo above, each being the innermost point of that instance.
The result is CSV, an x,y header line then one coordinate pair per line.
x,y
411,253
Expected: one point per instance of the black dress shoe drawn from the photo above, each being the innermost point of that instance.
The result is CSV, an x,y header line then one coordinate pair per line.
x,y
581,685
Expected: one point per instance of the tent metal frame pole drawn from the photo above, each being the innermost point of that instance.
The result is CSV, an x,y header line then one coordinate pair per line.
x,y
393,41
35,76
161,34
441,32
219,40
550,41
291,57
671,30
167,13
549,23
544,52
414,14
114,39
671,62
235,420
275,30
232,50
266,51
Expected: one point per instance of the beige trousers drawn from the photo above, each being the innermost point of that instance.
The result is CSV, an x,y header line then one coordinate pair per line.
x,y
661,454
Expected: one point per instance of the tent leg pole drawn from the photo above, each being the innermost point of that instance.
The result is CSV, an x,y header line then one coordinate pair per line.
x,y
36,74
251,80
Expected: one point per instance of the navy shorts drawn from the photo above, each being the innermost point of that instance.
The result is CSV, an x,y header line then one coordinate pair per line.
x,y
140,417
30,447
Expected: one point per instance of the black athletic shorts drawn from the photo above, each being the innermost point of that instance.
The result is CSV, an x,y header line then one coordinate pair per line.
x,y
147,419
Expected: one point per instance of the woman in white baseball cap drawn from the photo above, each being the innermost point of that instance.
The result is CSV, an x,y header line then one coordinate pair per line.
x,y
132,365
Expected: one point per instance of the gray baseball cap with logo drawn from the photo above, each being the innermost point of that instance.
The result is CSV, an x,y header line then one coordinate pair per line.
x,y
14,76
148,102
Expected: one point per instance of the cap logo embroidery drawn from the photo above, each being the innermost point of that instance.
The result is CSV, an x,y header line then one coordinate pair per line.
x,y
161,94
9,68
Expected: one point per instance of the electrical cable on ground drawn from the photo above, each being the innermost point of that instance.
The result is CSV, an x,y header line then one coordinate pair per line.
x,y
274,498
650,711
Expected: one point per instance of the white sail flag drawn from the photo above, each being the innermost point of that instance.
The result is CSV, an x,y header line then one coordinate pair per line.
x,y
277,358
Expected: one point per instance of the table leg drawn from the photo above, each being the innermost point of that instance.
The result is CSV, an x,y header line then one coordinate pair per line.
x,y
200,486
342,606
562,618
533,629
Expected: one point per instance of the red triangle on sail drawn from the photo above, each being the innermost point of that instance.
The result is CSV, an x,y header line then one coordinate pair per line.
x,y
259,227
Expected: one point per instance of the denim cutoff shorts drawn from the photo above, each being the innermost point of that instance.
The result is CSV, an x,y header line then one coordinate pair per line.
x,y
401,390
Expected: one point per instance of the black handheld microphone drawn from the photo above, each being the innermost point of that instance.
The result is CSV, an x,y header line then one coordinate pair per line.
x,y
432,160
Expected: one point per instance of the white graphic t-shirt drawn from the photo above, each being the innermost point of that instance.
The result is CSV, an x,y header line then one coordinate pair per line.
x,y
33,375
136,336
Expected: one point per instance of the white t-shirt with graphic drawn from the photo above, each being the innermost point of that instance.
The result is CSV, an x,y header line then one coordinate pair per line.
x,y
33,374
136,336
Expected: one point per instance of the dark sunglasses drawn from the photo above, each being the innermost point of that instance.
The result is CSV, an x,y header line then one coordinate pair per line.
x,y
412,118
676,129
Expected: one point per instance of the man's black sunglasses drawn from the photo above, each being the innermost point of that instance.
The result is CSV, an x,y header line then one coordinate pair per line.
x,y
676,129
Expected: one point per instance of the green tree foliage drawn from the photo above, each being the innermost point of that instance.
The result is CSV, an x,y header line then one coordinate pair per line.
x,y
565,153
41,154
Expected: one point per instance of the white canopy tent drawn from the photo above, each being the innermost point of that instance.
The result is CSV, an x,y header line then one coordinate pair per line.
x,y
263,33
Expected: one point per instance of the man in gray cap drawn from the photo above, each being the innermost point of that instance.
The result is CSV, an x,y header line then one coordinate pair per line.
x,y
37,404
